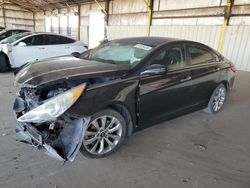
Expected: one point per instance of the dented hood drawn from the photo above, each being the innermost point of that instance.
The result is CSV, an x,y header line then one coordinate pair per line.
x,y
66,67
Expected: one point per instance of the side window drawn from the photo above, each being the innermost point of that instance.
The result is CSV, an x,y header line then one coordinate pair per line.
x,y
172,57
65,40
50,40
28,41
37,40
199,55
54,39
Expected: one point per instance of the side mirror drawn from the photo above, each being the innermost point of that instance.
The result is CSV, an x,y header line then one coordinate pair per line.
x,y
22,44
156,69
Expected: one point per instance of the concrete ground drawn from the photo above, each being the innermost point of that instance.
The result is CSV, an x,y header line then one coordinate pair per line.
x,y
195,150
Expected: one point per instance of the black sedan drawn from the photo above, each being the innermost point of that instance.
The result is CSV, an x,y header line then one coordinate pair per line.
x,y
91,102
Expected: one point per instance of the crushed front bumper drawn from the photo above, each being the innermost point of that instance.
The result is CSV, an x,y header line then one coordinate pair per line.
x,y
64,147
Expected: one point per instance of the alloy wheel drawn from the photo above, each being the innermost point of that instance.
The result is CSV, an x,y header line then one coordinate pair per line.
x,y
219,99
102,135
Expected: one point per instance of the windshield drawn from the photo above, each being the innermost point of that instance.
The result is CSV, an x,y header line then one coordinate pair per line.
x,y
14,38
118,53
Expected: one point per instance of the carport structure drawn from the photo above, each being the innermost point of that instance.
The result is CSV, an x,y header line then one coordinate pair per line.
x,y
221,24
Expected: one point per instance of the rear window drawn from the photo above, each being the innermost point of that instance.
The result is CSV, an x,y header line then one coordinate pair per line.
x,y
54,39
199,55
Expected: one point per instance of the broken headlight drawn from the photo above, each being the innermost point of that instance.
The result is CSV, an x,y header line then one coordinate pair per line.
x,y
54,107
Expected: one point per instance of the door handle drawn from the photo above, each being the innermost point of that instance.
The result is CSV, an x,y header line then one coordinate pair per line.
x,y
67,47
41,48
186,79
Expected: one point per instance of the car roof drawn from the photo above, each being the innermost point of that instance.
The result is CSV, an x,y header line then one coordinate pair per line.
x,y
48,33
157,41
16,30
150,41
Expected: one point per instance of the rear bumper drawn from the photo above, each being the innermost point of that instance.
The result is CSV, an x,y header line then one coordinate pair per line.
x,y
64,147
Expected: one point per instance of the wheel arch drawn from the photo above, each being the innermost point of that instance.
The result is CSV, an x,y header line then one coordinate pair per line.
x,y
7,61
123,110
225,83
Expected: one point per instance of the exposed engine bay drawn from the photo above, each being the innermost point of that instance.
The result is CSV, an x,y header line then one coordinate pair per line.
x,y
47,116
62,137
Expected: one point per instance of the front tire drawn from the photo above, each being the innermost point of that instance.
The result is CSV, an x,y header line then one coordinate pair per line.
x,y
104,134
217,99
3,63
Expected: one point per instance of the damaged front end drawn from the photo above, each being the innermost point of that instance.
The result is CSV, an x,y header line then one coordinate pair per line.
x,y
44,122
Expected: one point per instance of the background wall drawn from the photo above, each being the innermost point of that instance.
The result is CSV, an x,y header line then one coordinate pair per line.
x,y
15,17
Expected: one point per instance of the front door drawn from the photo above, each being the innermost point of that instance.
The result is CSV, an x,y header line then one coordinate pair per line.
x,y
33,51
162,96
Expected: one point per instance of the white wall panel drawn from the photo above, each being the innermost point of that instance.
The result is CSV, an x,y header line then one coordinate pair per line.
x,y
240,20
19,14
39,21
237,46
241,2
84,34
127,6
183,4
16,17
125,31
128,19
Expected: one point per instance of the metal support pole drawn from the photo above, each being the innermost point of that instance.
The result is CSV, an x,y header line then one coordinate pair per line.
x,y
107,10
225,24
149,4
34,21
4,17
79,22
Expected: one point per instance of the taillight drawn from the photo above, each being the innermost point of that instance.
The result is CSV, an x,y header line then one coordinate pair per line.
x,y
232,69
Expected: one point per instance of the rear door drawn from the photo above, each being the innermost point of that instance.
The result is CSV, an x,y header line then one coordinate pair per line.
x,y
162,96
59,45
205,72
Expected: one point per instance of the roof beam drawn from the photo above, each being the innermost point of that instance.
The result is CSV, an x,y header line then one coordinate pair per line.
x,y
51,7
25,6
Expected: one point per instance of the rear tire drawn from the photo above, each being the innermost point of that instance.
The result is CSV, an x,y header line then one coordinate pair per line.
x,y
104,134
217,99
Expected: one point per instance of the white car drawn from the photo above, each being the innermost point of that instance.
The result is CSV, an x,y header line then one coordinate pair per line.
x,y
20,49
